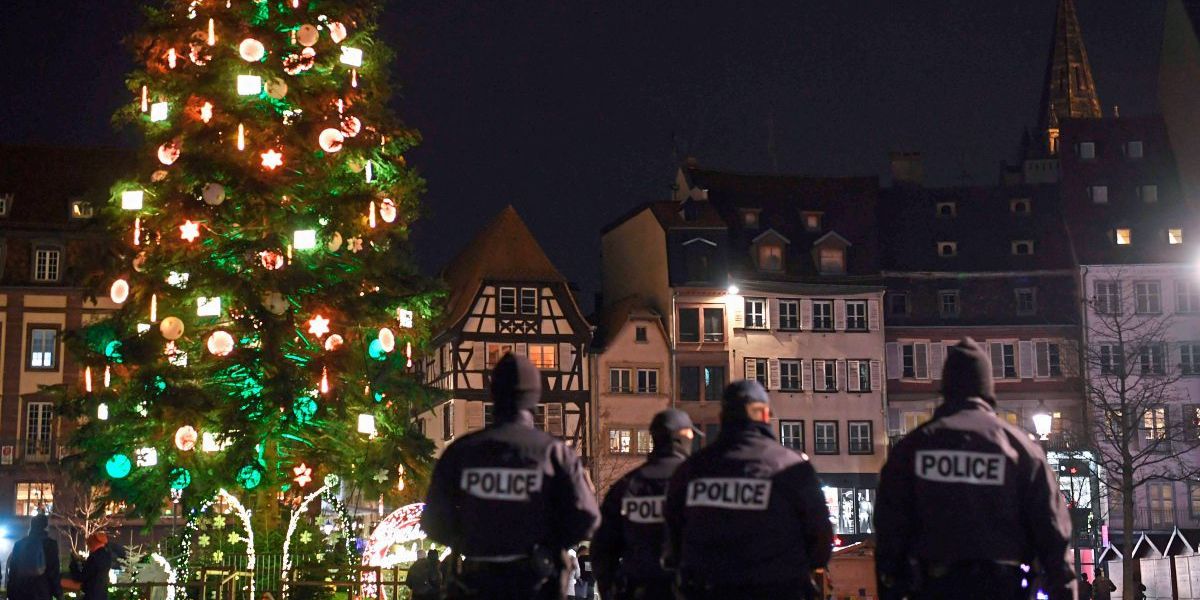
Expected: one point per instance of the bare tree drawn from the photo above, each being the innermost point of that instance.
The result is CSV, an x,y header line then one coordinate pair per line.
x,y
81,510
1130,384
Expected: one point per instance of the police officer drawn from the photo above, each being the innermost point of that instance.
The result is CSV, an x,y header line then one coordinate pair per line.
x,y
627,549
510,499
746,518
967,498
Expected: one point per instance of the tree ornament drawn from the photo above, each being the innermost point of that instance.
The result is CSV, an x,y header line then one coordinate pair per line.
x,y
355,244
318,326
181,478
333,342
102,412
275,303
249,85
185,438
332,481
158,111
351,56
212,33
171,328
168,153
304,239
206,112
146,457
335,242
119,291
308,35
207,306
118,466
220,343
276,88
375,350
387,210
351,126
294,64
271,260
158,176
189,231
366,424
139,262
387,339
251,50
132,199
249,477
272,160
331,140
213,194
324,380
405,317
337,32
303,474
172,59
381,476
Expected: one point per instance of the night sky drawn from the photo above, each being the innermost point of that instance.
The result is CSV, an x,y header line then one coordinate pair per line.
x,y
575,111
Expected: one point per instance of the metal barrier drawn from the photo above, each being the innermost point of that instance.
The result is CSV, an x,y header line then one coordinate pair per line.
x,y
232,584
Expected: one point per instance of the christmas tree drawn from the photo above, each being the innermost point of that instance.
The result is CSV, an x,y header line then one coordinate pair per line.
x,y
268,304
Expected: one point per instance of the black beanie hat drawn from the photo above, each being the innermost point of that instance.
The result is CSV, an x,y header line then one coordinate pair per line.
x,y
740,394
967,373
516,384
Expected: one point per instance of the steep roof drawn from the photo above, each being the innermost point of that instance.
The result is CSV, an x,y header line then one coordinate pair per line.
x,y
503,250
1070,90
44,180
613,318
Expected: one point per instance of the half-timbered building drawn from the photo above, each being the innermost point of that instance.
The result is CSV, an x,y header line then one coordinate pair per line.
x,y
506,296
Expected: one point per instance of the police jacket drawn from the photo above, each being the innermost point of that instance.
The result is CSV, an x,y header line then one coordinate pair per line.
x,y
969,486
629,543
500,491
746,509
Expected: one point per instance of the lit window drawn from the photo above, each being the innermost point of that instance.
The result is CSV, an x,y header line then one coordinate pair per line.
x,y
1148,193
1175,236
832,260
544,356
496,351
756,313
946,209
81,209
947,248
860,437
620,441
508,301
46,263
1124,236
1099,194
791,435
1004,360
1087,150
750,219
6,201
770,257
1022,247
812,221
645,443
1154,423
43,348
34,499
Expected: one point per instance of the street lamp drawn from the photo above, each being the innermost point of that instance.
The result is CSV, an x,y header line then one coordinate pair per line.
x,y
732,290
1042,421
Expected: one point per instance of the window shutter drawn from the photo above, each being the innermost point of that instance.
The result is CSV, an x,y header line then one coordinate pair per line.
x,y
1042,350
554,419
773,313
751,370
996,350
839,315
805,314
739,315
1068,355
818,368
840,374
937,356
876,384
773,374
805,377
921,358
1025,360
852,381
474,416
891,355
873,315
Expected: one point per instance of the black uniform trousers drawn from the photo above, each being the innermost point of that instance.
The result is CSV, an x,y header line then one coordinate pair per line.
x,y
978,581
504,582
662,589
791,590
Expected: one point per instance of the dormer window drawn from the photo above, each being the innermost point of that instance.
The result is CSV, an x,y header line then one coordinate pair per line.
x,y
812,221
689,212
6,201
82,209
829,252
1174,236
1020,206
946,210
1022,247
770,257
947,249
750,218
1124,236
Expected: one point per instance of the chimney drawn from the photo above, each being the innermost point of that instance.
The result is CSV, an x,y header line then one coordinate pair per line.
x,y
907,168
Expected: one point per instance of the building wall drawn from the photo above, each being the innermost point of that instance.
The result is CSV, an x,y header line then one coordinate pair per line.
x,y
634,262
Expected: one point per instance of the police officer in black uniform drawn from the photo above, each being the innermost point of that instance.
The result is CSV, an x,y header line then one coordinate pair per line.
x,y
746,518
627,549
967,498
510,499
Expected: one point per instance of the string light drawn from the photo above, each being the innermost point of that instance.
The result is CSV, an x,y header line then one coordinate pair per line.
x,y
145,99
107,377
241,141
212,40
171,58
324,380
87,379
137,231
371,215
153,308
102,412
189,231
271,160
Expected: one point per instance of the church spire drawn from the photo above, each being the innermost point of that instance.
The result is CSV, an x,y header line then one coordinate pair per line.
x,y
1070,91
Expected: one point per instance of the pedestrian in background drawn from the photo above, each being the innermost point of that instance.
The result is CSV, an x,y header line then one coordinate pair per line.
x,y
34,572
94,578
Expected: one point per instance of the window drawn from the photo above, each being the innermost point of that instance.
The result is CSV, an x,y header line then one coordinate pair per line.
x,y
1189,359
689,384
756,369
750,219
791,435
915,361
38,425
1004,360
448,421
689,325
619,381
948,303
1175,236
858,375
82,209
529,301
1049,359
789,314
1108,297
756,313
714,383
910,420
1194,500
1148,193
859,437
1111,359
1124,236
856,315
947,248
1147,296
714,324
824,375
496,351
825,437
647,381
43,348
1026,301
789,375
699,260
1020,206
1161,495
696,380
1187,296
1133,149
851,510
1098,194
620,441
832,260
508,301
544,356
946,210
770,257
1087,150
6,201
822,315
645,443
35,499
639,334
897,304
812,221
46,262
1022,247
1151,360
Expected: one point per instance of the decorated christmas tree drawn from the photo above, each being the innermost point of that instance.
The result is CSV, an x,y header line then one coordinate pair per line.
x,y
268,307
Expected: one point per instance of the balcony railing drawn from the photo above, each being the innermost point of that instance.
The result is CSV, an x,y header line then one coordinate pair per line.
x,y
29,452
1145,519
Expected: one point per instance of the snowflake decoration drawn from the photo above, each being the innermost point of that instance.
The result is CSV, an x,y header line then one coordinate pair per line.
x,y
218,556
234,537
219,521
355,244
320,557
305,537
203,541
381,476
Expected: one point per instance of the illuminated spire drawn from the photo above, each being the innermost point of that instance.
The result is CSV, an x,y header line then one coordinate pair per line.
x,y
1070,91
